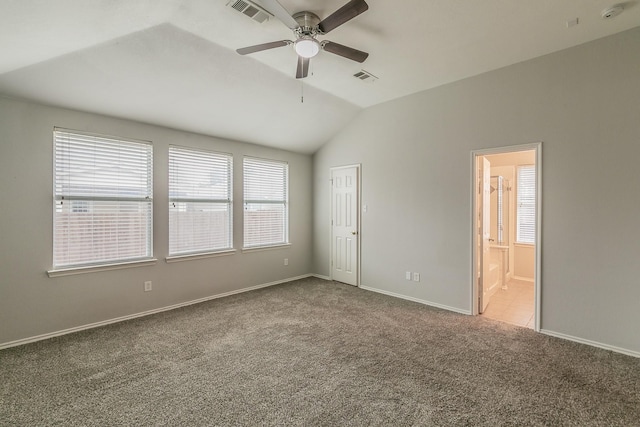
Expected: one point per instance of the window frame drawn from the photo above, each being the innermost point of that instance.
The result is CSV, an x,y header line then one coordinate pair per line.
x,y
284,202
210,251
64,192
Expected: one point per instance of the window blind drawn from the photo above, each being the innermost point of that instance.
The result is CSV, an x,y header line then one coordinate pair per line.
x,y
266,211
526,198
200,201
103,199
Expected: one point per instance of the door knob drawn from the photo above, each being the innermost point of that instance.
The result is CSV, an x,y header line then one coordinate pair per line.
x,y
354,232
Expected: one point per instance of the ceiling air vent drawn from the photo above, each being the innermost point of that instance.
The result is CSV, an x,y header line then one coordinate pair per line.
x,y
250,9
365,76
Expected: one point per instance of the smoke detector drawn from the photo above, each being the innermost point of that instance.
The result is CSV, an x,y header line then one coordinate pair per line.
x,y
612,11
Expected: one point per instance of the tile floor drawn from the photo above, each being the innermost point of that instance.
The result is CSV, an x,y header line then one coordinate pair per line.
x,y
514,305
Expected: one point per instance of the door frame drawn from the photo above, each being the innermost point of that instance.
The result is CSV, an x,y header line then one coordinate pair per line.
x,y
484,247
358,167
537,147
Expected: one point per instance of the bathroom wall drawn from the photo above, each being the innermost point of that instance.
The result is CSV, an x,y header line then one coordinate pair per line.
x,y
524,261
521,256
507,172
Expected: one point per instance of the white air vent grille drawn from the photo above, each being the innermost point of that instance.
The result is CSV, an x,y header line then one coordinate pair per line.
x,y
365,76
250,9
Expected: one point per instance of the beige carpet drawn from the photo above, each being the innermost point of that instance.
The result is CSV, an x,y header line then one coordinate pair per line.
x,y
313,352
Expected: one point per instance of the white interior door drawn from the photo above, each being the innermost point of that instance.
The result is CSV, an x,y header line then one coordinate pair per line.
x,y
484,229
344,225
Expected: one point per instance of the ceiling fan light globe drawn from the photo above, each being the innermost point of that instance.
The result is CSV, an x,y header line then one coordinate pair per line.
x,y
307,47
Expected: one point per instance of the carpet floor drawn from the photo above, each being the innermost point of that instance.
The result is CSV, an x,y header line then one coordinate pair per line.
x,y
313,352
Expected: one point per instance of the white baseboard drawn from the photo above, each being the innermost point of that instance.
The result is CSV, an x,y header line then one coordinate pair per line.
x,y
421,301
542,331
591,343
278,282
144,313
523,279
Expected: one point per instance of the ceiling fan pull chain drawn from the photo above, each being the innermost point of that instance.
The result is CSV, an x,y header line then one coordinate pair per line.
x,y
301,92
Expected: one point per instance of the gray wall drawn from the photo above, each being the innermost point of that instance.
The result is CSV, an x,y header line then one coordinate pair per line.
x,y
584,105
416,164
31,303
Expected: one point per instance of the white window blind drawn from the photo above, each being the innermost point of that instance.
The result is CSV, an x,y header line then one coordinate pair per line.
x,y
266,210
526,199
200,201
103,200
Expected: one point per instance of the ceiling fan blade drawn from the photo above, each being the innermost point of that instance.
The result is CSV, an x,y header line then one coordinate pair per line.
x,y
345,51
280,12
261,47
342,15
303,68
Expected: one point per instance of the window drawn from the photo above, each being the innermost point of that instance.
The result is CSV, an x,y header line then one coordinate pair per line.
x,y
526,199
103,200
266,217
200,210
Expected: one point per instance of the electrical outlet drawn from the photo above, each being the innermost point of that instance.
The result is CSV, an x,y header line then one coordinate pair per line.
x,y
148,286
416,277
407,275
286,261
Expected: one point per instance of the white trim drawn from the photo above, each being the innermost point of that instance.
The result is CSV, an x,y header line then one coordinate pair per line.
x,y
538,263
267,248
104,267
523,279
358,167
591,343
418,300
189,257
508,149
537,147
320,276
142,314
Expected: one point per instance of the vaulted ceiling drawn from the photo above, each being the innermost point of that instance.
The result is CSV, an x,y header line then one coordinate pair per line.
x,y
173,62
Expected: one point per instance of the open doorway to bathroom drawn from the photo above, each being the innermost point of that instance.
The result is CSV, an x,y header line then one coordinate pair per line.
x,y
506,234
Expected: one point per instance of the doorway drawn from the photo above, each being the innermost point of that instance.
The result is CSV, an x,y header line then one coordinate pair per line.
x,y
345,224
506,234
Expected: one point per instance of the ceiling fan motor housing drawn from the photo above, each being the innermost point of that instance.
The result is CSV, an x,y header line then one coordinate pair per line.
x,y
308,23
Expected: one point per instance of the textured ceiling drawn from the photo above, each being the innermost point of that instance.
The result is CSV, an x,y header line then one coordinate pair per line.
x,y
173,62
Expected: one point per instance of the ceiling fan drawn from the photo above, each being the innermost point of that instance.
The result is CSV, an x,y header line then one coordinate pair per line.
x,y
307,26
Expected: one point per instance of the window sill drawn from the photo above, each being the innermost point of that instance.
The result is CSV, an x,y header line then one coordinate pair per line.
x,y
266,248
530,245
103,267
189,257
